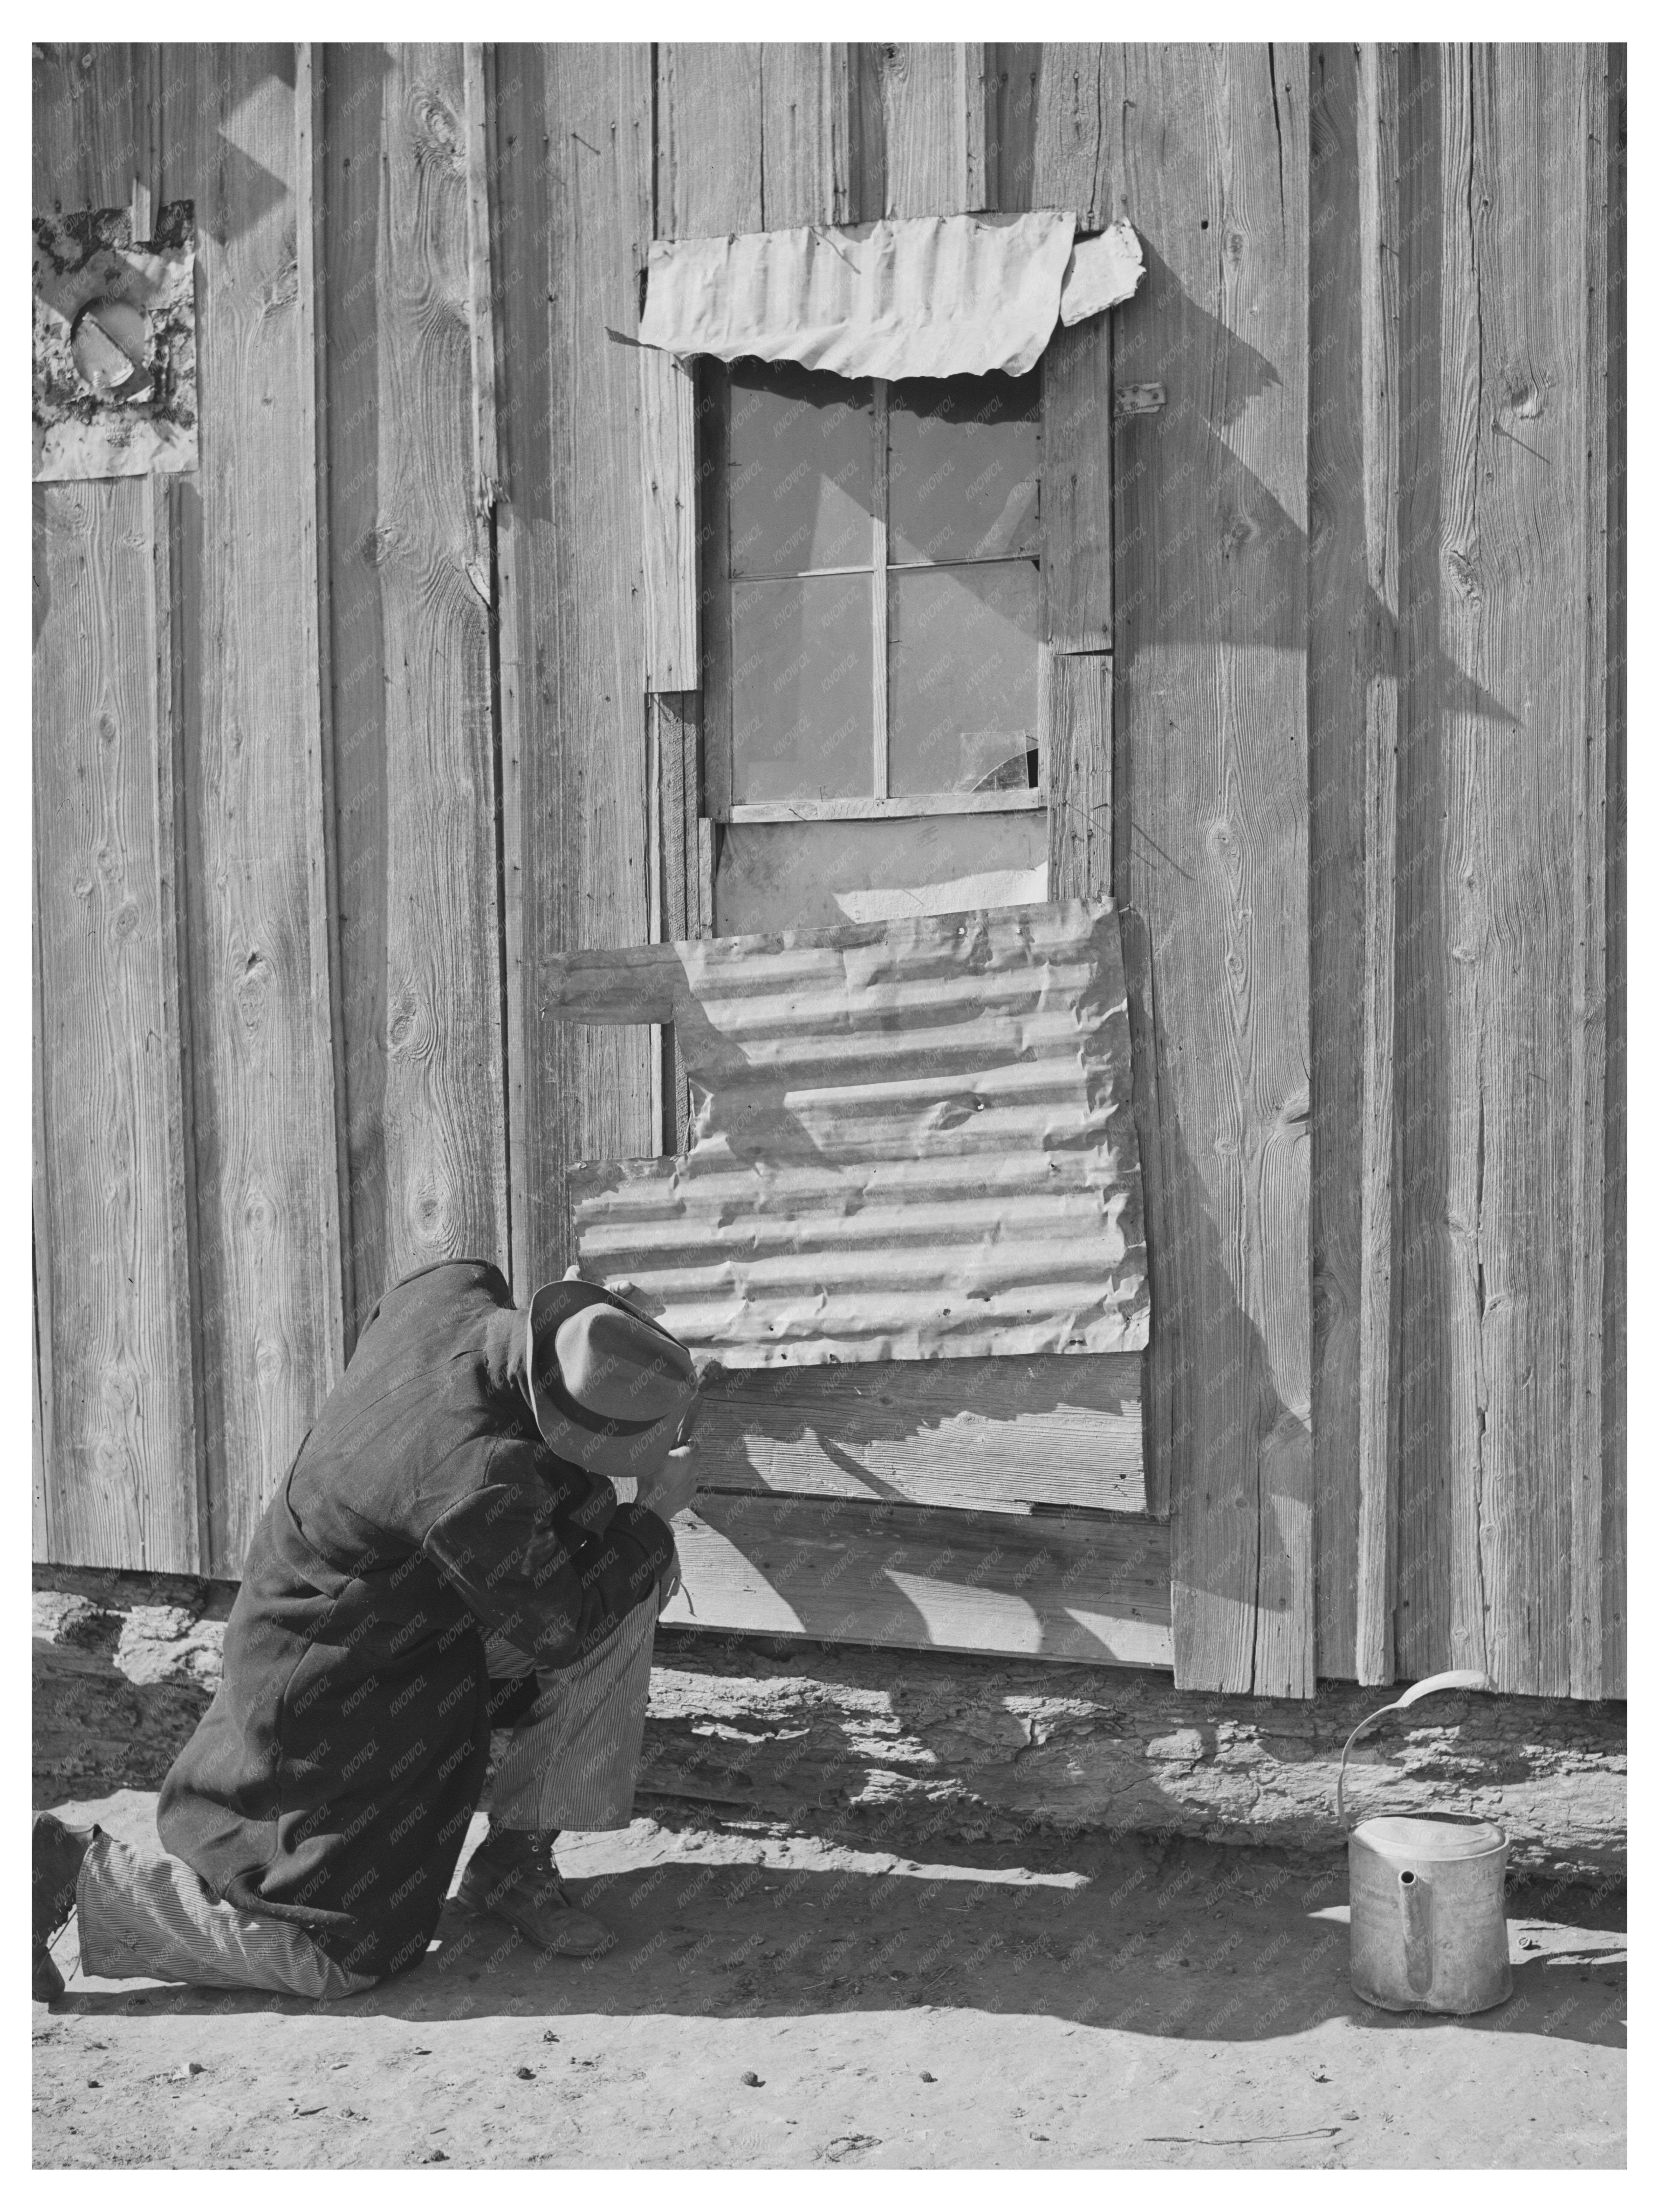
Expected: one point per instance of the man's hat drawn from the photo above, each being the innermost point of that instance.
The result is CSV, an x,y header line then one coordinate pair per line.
x,y
610,1387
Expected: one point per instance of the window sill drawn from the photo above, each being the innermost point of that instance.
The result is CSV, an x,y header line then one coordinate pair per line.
x,y
886,810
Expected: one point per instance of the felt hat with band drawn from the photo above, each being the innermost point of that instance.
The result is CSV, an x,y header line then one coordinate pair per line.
x,y
610,1387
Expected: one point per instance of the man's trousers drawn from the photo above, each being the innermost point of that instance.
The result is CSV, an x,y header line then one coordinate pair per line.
x,y
570,1762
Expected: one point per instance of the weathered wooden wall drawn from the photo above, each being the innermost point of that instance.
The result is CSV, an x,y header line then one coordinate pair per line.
x,y
338,739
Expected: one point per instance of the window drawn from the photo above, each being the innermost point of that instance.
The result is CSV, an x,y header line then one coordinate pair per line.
x,y
873,584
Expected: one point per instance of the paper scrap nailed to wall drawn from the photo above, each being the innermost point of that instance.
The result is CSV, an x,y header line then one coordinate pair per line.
x,y
926,295
114,345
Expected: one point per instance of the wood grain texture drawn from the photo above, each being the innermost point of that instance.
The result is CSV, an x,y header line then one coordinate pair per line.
x,y
93,138
669,519
1502,1010
1077,692
232,139
933,129
1210,657
1353,339
1375,1570
1079,130
1013,77
805,125
682,908
1598,1457
1050,1587
1339,268
713,553
1077,487
348,249
415,795
708,140
999,1435
118,1440
1611,581
1422,1618
570,221
119,1449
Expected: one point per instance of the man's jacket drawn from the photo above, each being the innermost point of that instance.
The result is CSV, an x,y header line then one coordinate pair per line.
x,y
333,1776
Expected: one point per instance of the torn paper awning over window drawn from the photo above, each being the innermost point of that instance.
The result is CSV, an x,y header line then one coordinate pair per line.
x,y
938,295
912,1140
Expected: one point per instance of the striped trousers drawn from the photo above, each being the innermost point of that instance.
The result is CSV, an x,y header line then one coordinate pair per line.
x,y
570,1762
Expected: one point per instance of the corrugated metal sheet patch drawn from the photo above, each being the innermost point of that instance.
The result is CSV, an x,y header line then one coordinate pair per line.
x,y
912,1140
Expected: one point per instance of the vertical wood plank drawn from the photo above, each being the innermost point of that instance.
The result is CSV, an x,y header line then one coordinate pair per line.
x,y
441,1128
1514,151
1502,875
1211,652
91,137
1078,725
40,1193
270,1258
1013,77
1081,131
121,1473
1077,487
39,1440
310,256
411,442
1588,1072
708,137
805,126
714,555
1351,687
933,127
1379,138
184,1200
1337,610
1423,1474
1035,165
683,905
348,250
669,519
570,220
117,1431
1611,582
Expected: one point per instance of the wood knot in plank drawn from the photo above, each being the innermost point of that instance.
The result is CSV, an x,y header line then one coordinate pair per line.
x,y
1522,395
282,288
377,548
435,134
1466,575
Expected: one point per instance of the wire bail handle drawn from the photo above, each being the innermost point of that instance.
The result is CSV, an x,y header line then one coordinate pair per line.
x,y
1459,1678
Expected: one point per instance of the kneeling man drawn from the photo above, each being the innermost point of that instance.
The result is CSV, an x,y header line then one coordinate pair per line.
x,y
449,1517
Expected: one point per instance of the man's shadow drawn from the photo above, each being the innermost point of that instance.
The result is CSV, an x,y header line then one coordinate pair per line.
x,y
1190,1941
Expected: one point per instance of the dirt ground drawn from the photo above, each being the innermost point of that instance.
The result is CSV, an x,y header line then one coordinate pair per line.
x,y
781,2000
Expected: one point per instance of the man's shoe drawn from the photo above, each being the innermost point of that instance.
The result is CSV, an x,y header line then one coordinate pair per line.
x,y
517,1878
56,1853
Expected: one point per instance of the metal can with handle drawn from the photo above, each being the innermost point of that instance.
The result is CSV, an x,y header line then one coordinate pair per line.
x,y
1426,1926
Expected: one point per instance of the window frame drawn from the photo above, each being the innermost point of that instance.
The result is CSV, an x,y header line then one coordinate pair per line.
x,y
714,590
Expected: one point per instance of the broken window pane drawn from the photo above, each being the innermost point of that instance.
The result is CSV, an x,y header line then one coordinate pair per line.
x,y
802,464
962,654
802,709
963,455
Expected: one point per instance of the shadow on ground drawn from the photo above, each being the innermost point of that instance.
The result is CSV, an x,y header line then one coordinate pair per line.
x,y
1180,1939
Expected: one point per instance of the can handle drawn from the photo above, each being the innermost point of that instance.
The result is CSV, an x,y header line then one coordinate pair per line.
x,y
1458,1678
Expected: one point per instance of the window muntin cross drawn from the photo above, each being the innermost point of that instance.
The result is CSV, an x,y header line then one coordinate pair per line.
x,y
882,583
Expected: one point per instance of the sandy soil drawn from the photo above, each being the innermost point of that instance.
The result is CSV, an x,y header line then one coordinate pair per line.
x,y
777,2000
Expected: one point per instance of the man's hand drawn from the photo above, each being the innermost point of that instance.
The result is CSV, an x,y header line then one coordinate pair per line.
x,y
674,1484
